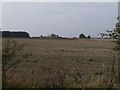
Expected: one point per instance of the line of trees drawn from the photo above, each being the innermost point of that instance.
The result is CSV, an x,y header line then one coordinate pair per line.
x,y
57,36
26,35
15,34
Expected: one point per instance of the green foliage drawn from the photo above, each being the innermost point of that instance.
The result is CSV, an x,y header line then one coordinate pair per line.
x,y
117,28
117,31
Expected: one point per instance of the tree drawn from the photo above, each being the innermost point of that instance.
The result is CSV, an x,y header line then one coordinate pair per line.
x,y
117,32
82,36
41,36
88,36
54,36
15,34
110,33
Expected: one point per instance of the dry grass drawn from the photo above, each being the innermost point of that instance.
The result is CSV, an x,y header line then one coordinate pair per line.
x,y
91,58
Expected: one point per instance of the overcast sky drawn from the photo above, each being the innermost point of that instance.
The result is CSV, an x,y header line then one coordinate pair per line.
x,y
66,19
0,14
60,0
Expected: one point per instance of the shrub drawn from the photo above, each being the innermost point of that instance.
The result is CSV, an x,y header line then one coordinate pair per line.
x,y
12,55
82,36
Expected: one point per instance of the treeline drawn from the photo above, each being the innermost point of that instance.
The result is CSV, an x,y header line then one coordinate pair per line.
x,y
19,34
23,34
56,36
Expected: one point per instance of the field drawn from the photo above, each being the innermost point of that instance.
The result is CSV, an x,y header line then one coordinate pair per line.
x,y
77,63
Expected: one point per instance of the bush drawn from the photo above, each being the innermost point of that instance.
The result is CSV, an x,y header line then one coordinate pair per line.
x,y
88,36
82,36
12,55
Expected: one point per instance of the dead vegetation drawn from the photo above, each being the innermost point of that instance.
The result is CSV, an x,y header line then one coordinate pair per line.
x,y
60,63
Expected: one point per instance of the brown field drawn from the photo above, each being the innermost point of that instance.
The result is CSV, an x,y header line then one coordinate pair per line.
x,y
74,63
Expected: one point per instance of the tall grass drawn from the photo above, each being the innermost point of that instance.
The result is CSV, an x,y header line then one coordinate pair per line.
x,y
57,67
12,55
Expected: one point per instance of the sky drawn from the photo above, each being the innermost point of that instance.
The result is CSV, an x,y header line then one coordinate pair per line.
x,y
59,0
119,10
0,14
63,18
